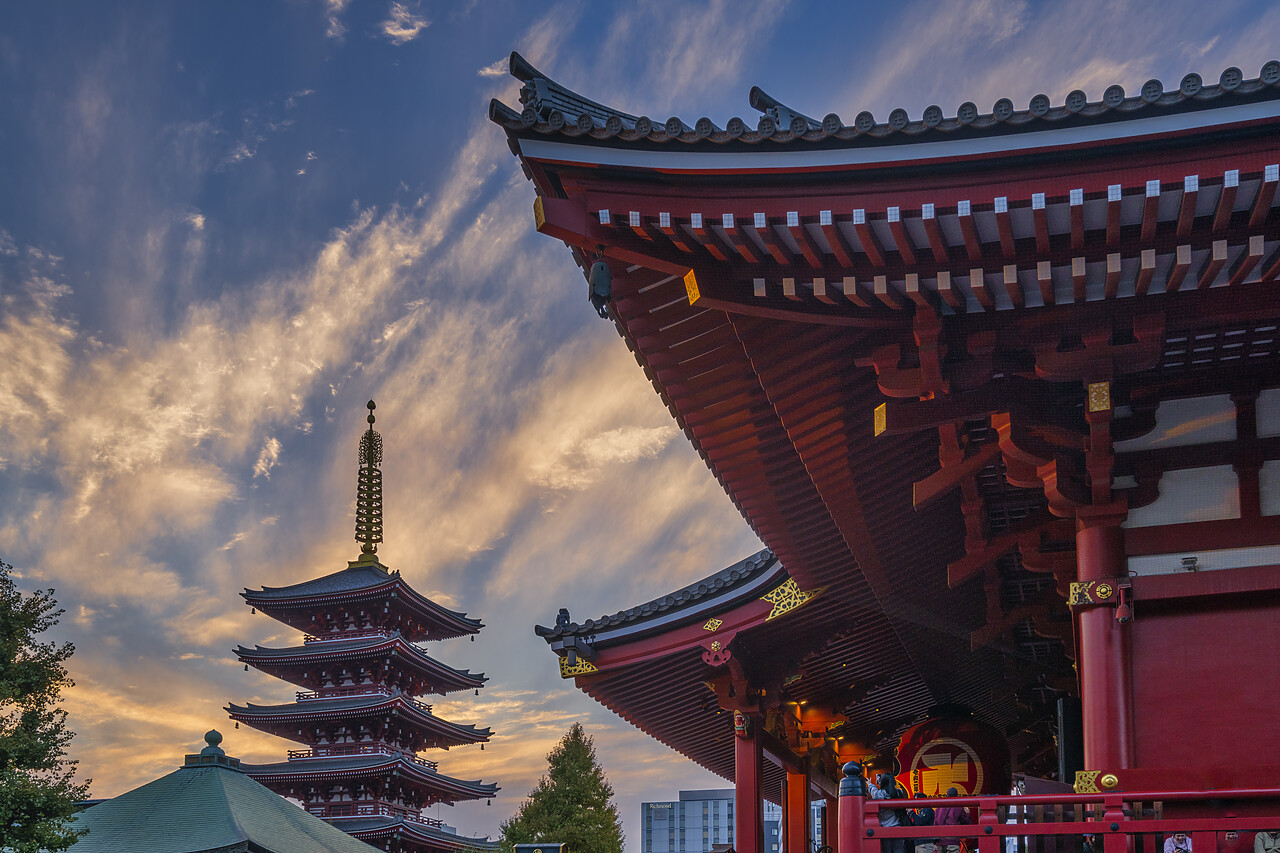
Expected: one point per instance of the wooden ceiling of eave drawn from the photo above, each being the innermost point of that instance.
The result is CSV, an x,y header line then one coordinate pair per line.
x,y
667,699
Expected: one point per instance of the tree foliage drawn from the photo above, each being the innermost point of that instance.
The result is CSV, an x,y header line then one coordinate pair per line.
x,y
37,789
572,803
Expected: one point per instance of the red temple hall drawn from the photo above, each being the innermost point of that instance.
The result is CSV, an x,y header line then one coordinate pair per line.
x,y
1000,394
361,667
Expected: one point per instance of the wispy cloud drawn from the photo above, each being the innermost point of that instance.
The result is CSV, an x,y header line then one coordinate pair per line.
x,y
402,25
497,68
336,29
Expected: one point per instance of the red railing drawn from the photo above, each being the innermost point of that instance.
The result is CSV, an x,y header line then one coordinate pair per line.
x,y
1061,823
339,750
359,690
370,810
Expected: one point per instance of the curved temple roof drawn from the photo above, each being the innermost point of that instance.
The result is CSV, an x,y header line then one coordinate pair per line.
x,y
357,765
551,109
447,679
361,579
336,707
726,586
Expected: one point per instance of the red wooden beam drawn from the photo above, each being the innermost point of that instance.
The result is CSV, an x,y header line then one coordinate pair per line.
x,y
978,287
1248,259
1181,266
933,231
800,234
1113,275
1266,195
739,240
1217,260
835,239
887,293
1187,209
668,227
949,294
1044,279
1145,271
1115,194
706,237
1079,279
1004,226
1077,219
973,245
1013,287
899,230
1040,219
948,477
1150,210
849,286
765,232
870,244
1227,200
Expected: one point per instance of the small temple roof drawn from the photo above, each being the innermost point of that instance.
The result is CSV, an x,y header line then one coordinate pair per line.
x,y
206,806
350,649
386,826
551,109
742,580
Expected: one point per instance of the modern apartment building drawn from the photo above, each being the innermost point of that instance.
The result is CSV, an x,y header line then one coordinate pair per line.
x,y
698,821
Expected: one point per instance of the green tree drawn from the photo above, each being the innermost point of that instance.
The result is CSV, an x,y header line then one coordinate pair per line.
x,y
572,803
37,789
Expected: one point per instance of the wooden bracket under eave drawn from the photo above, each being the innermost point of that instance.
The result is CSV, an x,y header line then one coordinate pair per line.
x,y
948,477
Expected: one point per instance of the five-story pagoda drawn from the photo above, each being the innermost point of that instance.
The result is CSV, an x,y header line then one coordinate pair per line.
x,y
361,668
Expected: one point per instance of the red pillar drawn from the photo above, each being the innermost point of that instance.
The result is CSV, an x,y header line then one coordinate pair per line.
x,y
748,800
1106,694
797,811
829,835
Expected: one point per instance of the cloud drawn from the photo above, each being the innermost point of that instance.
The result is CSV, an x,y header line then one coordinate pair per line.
x,y
334,9
498,68
402,25
267,458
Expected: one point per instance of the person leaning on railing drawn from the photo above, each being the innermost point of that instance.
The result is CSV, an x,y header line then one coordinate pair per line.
x,y
1177,843
951,816
1266,842
886,788
923,816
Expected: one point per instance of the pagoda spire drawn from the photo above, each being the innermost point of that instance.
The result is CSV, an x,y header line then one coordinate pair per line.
x,y
369,490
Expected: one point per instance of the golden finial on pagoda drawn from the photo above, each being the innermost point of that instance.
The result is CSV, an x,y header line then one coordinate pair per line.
x,y
369,490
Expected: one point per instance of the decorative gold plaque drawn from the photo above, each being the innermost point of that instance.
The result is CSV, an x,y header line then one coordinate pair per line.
x,y
691,286
1099,396
786,598
582,667
712,625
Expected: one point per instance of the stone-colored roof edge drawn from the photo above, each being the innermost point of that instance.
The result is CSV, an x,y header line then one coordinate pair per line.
x,y
549,109
721,583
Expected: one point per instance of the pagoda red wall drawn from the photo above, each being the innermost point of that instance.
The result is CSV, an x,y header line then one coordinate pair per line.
x,y
1205,675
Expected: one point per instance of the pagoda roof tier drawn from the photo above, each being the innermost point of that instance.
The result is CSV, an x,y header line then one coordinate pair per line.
x,y
282,720
288,663
414,835
361,582
416,773
878,338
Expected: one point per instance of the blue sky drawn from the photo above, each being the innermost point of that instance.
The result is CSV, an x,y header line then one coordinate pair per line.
x,y
223,227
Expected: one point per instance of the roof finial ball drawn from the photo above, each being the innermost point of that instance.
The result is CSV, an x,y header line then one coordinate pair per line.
x,y
369,490
212,738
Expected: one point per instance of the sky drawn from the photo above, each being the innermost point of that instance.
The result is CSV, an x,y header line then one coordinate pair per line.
x,y
224,227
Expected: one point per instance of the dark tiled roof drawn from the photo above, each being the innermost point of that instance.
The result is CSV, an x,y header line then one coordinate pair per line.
x,y
338,704
718,585
380,827
352,580
356,763
550,108
349,579
207,808
351,648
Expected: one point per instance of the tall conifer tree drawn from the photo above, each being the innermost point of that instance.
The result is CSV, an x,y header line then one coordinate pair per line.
x,y
37,789
572,803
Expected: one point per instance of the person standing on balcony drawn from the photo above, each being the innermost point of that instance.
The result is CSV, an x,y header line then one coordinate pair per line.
x,y
923,816
950,816
1266,842
886,788
1179,842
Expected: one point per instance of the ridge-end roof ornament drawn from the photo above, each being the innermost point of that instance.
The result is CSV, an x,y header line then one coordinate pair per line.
x,y
369,490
